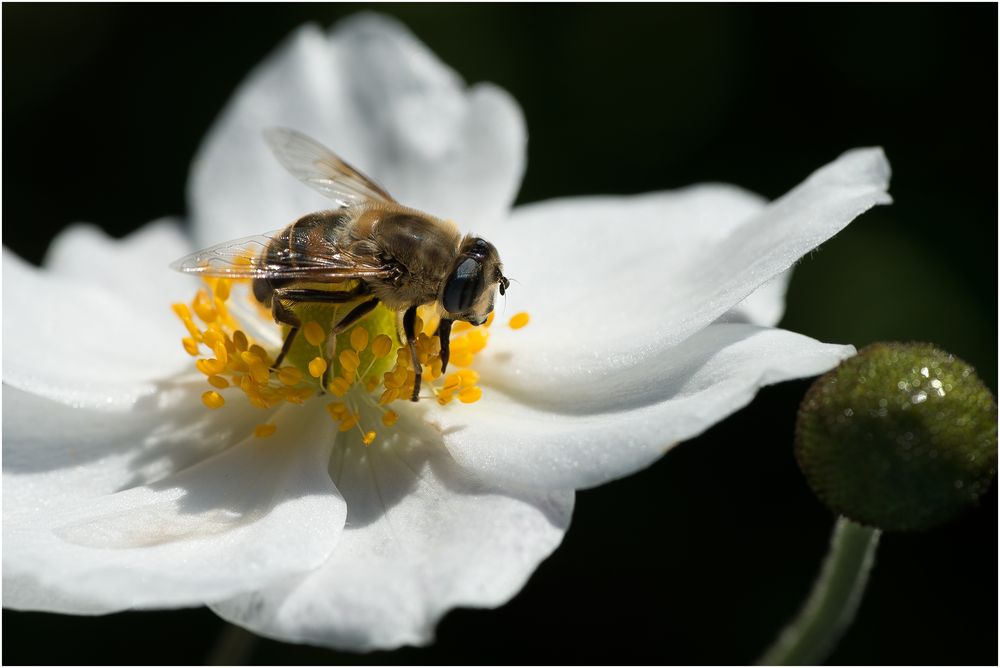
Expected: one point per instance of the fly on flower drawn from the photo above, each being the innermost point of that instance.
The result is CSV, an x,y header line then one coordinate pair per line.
x,y
370,250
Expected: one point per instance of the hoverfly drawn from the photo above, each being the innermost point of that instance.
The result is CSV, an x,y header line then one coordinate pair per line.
x,y
397,256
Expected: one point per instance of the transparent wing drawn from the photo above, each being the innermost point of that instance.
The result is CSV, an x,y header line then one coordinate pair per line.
x,y
287,253
318,167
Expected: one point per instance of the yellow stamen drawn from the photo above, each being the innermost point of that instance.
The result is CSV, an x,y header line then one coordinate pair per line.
x,y
289,375
519,320
381,346
264,430
191,346
317,366
259,352
314,333
362,354
348,422
359,338
240,341
222,289
210,367
468,377
259,372
339,387
204,307
470,395
212,399
349,360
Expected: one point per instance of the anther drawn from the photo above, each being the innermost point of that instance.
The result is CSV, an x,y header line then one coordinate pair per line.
x,y
212,399
381,345
314,333
264,430
317,366
359,338
470,395
519,320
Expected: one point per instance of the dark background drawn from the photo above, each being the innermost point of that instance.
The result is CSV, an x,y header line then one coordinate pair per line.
x,y
702,557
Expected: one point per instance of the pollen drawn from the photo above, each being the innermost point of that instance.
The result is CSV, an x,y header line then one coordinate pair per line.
x,y
264,430
381,346
314,333
519,320
359,339
366,368
317,366
213,399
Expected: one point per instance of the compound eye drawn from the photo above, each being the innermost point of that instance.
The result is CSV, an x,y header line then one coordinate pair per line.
x,y
463,286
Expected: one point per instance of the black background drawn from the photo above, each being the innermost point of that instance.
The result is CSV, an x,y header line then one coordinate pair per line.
x,y
702,557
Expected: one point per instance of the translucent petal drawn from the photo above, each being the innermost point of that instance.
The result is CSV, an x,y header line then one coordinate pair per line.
x,y
422,537
599,430
378,98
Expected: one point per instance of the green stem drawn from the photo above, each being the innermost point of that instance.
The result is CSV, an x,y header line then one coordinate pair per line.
x,y
834,600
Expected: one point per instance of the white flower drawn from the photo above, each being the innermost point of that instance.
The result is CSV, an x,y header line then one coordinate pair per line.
x,y
652,319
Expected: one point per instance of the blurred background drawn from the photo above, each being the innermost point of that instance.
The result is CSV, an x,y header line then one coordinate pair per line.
x,y
704,556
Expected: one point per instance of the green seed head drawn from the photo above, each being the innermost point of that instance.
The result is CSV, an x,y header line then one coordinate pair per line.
x,y
899,437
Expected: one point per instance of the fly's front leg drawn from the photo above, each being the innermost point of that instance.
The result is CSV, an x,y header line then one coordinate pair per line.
x,y
409,327
444,334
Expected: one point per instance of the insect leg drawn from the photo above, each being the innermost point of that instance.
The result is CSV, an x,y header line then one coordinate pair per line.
x,y
358,312
295,295
409,325
283,297
444,333
285,315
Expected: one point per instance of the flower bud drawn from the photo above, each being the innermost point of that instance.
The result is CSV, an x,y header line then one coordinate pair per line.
x,y
899,437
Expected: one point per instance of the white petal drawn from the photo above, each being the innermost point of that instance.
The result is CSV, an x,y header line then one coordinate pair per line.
x,y
96,525
765,306
136,268
601,430
613,282
96,330
376,96
422,537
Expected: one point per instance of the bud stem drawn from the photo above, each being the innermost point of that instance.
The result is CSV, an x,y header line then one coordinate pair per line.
x,y
834,600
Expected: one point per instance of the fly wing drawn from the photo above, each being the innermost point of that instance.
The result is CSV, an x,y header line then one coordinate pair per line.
x,y
280,254
320,169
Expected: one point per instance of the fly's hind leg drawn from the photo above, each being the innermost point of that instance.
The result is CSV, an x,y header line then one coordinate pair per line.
x,y
284,298
355,314
283,314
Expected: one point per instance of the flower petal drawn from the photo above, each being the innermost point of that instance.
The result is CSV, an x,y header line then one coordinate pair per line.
x,y
381,100
135,268
94,521
764,306
621,423
97,329
422,537
613,282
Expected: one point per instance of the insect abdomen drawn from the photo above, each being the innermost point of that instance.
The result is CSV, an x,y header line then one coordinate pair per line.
x,y
316,230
